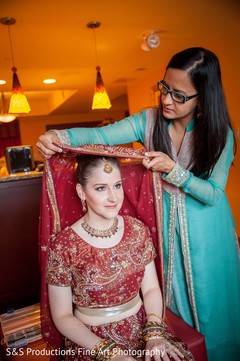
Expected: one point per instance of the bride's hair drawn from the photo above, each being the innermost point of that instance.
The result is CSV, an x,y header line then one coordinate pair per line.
x,y
87,163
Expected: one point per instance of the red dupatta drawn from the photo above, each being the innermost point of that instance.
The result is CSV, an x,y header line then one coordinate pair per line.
x,y
61,207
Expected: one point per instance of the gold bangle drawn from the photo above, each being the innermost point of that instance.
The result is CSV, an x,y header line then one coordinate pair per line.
x,y
105,350
115,351
153,330
155,324
152,337
155,315
100,347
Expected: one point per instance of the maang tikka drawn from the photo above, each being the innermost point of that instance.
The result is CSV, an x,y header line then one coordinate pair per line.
x,y
107,166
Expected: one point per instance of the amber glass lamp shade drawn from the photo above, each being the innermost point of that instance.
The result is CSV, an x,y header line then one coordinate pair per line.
x,y
18,102
100,97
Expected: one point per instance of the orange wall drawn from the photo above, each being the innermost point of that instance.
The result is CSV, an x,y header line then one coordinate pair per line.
x,y
140,96
227,48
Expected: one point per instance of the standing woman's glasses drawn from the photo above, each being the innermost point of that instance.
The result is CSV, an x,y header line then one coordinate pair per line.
x,y
176,96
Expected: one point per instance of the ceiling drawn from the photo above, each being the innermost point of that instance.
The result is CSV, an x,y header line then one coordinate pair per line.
x,y
51,40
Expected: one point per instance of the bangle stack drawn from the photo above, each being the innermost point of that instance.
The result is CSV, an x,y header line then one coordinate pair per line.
x,y
153,330
105,350
156,330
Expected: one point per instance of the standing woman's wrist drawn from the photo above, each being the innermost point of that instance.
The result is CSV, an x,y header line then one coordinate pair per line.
x,y
178,176
62,135
171,166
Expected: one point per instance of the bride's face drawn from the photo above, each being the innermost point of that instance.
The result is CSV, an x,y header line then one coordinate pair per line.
x,y
103,193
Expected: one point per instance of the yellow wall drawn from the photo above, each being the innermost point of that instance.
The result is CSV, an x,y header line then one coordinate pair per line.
x,y
227,49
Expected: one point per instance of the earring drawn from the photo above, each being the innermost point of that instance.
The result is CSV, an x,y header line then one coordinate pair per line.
x,y
84,205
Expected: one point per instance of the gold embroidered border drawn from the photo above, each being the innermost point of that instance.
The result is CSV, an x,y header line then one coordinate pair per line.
x,y
52,198
157,189
178,175
105,150
186,255
171,232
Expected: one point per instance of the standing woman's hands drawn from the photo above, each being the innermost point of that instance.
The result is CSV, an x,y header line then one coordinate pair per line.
x,y
45,145
158,162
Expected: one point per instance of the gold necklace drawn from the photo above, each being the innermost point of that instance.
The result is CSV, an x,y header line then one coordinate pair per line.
x,y
101,233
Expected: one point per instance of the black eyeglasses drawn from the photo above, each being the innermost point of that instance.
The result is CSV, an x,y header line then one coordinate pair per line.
x,y
177,97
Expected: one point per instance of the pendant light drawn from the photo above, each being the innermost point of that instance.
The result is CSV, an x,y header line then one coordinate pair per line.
x,y
18,102
100,97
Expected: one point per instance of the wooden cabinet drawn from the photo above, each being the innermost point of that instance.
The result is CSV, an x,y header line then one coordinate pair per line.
x,y
19,264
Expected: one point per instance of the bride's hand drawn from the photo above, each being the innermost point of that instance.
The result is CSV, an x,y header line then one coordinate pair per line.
x,y
124,358
160,349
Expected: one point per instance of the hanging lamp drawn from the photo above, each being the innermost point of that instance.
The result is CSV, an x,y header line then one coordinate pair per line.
x,y
18,101
100,97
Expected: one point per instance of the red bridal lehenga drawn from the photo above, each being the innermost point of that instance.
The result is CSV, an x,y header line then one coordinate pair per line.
x,y
61,207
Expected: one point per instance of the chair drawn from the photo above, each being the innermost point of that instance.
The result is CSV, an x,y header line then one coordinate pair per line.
x,y
193,339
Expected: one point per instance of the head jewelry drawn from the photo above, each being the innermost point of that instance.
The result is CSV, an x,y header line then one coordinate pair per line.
x,y
107,167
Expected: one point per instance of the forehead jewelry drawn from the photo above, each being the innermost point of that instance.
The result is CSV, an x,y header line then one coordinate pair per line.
x,y
107,167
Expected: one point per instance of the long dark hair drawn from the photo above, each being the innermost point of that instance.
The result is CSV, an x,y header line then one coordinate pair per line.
x,y
212,117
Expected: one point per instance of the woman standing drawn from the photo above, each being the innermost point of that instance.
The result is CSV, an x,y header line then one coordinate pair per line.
x,y
190,141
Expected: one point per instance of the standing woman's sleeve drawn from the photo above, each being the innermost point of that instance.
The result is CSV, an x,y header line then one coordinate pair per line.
x,y
130,129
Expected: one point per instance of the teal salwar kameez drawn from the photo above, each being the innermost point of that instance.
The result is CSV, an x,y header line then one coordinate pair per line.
x,y
201,256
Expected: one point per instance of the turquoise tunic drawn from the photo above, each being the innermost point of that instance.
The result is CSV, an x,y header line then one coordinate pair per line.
x,y
201,256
